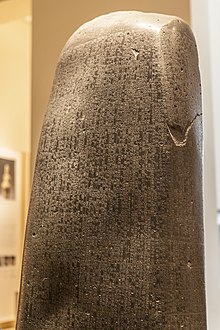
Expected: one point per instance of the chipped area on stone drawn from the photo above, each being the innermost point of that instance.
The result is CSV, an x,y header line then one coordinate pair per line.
x,y
135,53
114,237
189,264
180,135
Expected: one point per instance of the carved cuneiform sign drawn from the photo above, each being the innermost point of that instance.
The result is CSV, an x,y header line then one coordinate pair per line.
x,y
114,238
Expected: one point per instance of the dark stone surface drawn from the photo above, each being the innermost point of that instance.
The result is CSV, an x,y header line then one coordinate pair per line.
x,y
114,238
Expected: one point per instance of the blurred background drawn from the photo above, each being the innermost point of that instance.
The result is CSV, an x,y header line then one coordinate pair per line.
x,y
32,34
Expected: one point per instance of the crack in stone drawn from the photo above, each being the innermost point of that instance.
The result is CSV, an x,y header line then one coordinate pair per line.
x,y
180,135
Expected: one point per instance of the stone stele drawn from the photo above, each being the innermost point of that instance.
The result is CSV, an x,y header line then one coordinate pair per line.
x,y
114,238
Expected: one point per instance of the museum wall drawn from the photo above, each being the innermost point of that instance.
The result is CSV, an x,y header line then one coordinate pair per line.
x,y
14,9
15,39
214,9
15,114
53,24
15,87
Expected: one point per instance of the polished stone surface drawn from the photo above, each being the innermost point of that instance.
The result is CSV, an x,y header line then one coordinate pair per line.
x,y
114,237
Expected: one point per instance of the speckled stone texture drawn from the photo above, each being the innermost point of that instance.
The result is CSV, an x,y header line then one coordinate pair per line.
x,y
114,238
